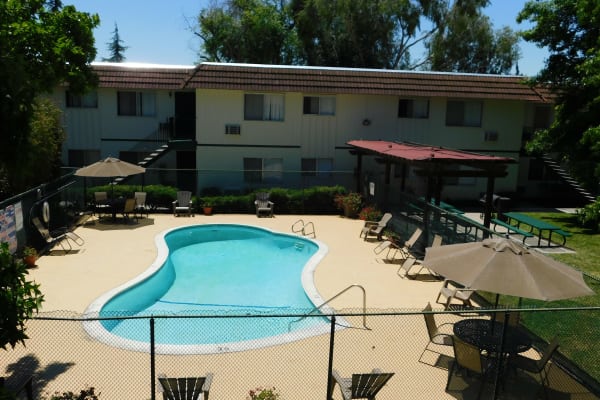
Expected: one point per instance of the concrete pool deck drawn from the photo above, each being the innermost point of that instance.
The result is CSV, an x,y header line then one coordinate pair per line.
x,y
115,253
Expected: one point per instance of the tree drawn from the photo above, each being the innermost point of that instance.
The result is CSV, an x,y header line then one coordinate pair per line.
x,y
43,44
570,31
116,48
466,42
343,33
19,298
250,31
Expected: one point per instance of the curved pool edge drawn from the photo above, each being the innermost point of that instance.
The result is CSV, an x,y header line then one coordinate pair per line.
x,y
96,330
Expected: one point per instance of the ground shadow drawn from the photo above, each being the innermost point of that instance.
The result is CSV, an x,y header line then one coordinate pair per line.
x,y
28,366
108,224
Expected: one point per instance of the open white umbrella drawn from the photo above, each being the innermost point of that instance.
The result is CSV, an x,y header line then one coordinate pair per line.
x,y
110,167
504,267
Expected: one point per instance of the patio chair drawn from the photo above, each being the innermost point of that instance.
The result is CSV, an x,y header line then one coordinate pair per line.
x,y
185,388
361,386
375,228
408,245
129,209
404,269
140,204
468,358
263,204
63,237
439,335
183,204
537,366
451,291
101,205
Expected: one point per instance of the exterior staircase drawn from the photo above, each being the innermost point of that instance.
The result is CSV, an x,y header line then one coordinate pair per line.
x,y
574,186
152,157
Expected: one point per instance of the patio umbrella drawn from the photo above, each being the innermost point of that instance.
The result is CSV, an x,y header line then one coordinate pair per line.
x,y
110,167
502,266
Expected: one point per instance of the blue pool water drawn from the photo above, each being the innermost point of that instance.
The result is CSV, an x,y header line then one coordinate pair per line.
x,y
215,270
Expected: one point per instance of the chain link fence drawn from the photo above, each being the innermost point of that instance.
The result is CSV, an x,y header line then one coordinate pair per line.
x,y
122,357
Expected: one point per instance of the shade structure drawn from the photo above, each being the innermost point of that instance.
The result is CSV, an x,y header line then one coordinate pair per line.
x,y
503,266
110,167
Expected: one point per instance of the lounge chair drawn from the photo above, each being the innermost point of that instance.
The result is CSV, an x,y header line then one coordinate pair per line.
x,y
375,228
186,388
183,204
467,357
263,204
63,237
451,290
361,386
439,335
408,245
537,366
140,204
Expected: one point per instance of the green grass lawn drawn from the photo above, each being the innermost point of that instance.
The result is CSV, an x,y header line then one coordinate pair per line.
x,y
578,330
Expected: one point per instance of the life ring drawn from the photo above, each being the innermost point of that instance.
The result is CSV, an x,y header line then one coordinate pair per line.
x,y
46,212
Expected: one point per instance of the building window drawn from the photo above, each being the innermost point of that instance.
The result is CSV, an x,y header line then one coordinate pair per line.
x,y
263,170
319,105
87,100
263,107
463,113
413,108
320,167
136,103
81,158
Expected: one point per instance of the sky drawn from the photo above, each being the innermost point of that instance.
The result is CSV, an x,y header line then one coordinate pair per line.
x,y
158,31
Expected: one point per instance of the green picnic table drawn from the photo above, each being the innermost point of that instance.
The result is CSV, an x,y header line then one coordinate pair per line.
x,y
541,226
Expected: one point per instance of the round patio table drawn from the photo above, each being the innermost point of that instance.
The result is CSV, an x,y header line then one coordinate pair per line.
x,y
487,335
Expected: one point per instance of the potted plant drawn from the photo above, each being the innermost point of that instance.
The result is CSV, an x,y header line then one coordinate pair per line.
x,y
349,203
370,213
261,393
30,255
207,207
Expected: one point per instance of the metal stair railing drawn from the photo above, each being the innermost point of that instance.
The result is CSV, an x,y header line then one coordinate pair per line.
x,y
306,229
364,314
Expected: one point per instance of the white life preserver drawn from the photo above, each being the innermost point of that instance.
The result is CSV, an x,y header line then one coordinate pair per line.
x,y
46,212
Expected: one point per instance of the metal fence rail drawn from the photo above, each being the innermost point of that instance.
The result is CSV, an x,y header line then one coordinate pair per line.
x,y
62,355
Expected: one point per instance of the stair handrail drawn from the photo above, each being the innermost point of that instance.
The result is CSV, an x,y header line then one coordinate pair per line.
x,y
364,314
303,228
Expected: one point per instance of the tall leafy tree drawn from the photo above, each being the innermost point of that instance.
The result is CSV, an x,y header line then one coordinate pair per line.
x,y
42,44
345,33
253,31
466,42
116,47
570,30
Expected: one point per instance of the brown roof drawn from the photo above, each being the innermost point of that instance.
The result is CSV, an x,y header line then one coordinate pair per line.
x,y
133,76
362,81
323,80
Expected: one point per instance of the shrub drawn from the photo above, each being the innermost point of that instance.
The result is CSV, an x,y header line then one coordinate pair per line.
x,y
85,394
370,213
261,393
589,216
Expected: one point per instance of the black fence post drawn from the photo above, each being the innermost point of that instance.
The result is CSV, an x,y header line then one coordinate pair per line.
x,y
152,361
330,371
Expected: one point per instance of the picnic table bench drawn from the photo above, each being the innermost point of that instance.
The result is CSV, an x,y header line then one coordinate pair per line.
x,y
541,226
511,229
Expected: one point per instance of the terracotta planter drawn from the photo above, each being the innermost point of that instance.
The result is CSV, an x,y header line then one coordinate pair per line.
x,y
349,211
207,210
30,260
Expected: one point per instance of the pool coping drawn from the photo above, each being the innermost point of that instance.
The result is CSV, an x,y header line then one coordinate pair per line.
x,y
93,326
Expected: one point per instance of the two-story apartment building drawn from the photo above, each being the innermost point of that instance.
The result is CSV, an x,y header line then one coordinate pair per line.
x,y
246,126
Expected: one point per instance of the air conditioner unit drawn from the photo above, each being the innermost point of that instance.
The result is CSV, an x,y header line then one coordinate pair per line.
x,y
233,129
490,136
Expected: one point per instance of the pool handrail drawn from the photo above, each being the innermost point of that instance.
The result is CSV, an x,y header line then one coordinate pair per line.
x,y
364,292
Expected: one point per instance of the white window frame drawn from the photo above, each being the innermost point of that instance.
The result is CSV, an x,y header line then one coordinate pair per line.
x,y
319,105
319,167
263,170
464,113
143,104
264,107
86,100
415,108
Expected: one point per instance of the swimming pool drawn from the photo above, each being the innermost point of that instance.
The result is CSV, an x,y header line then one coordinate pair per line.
x,y
214,270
